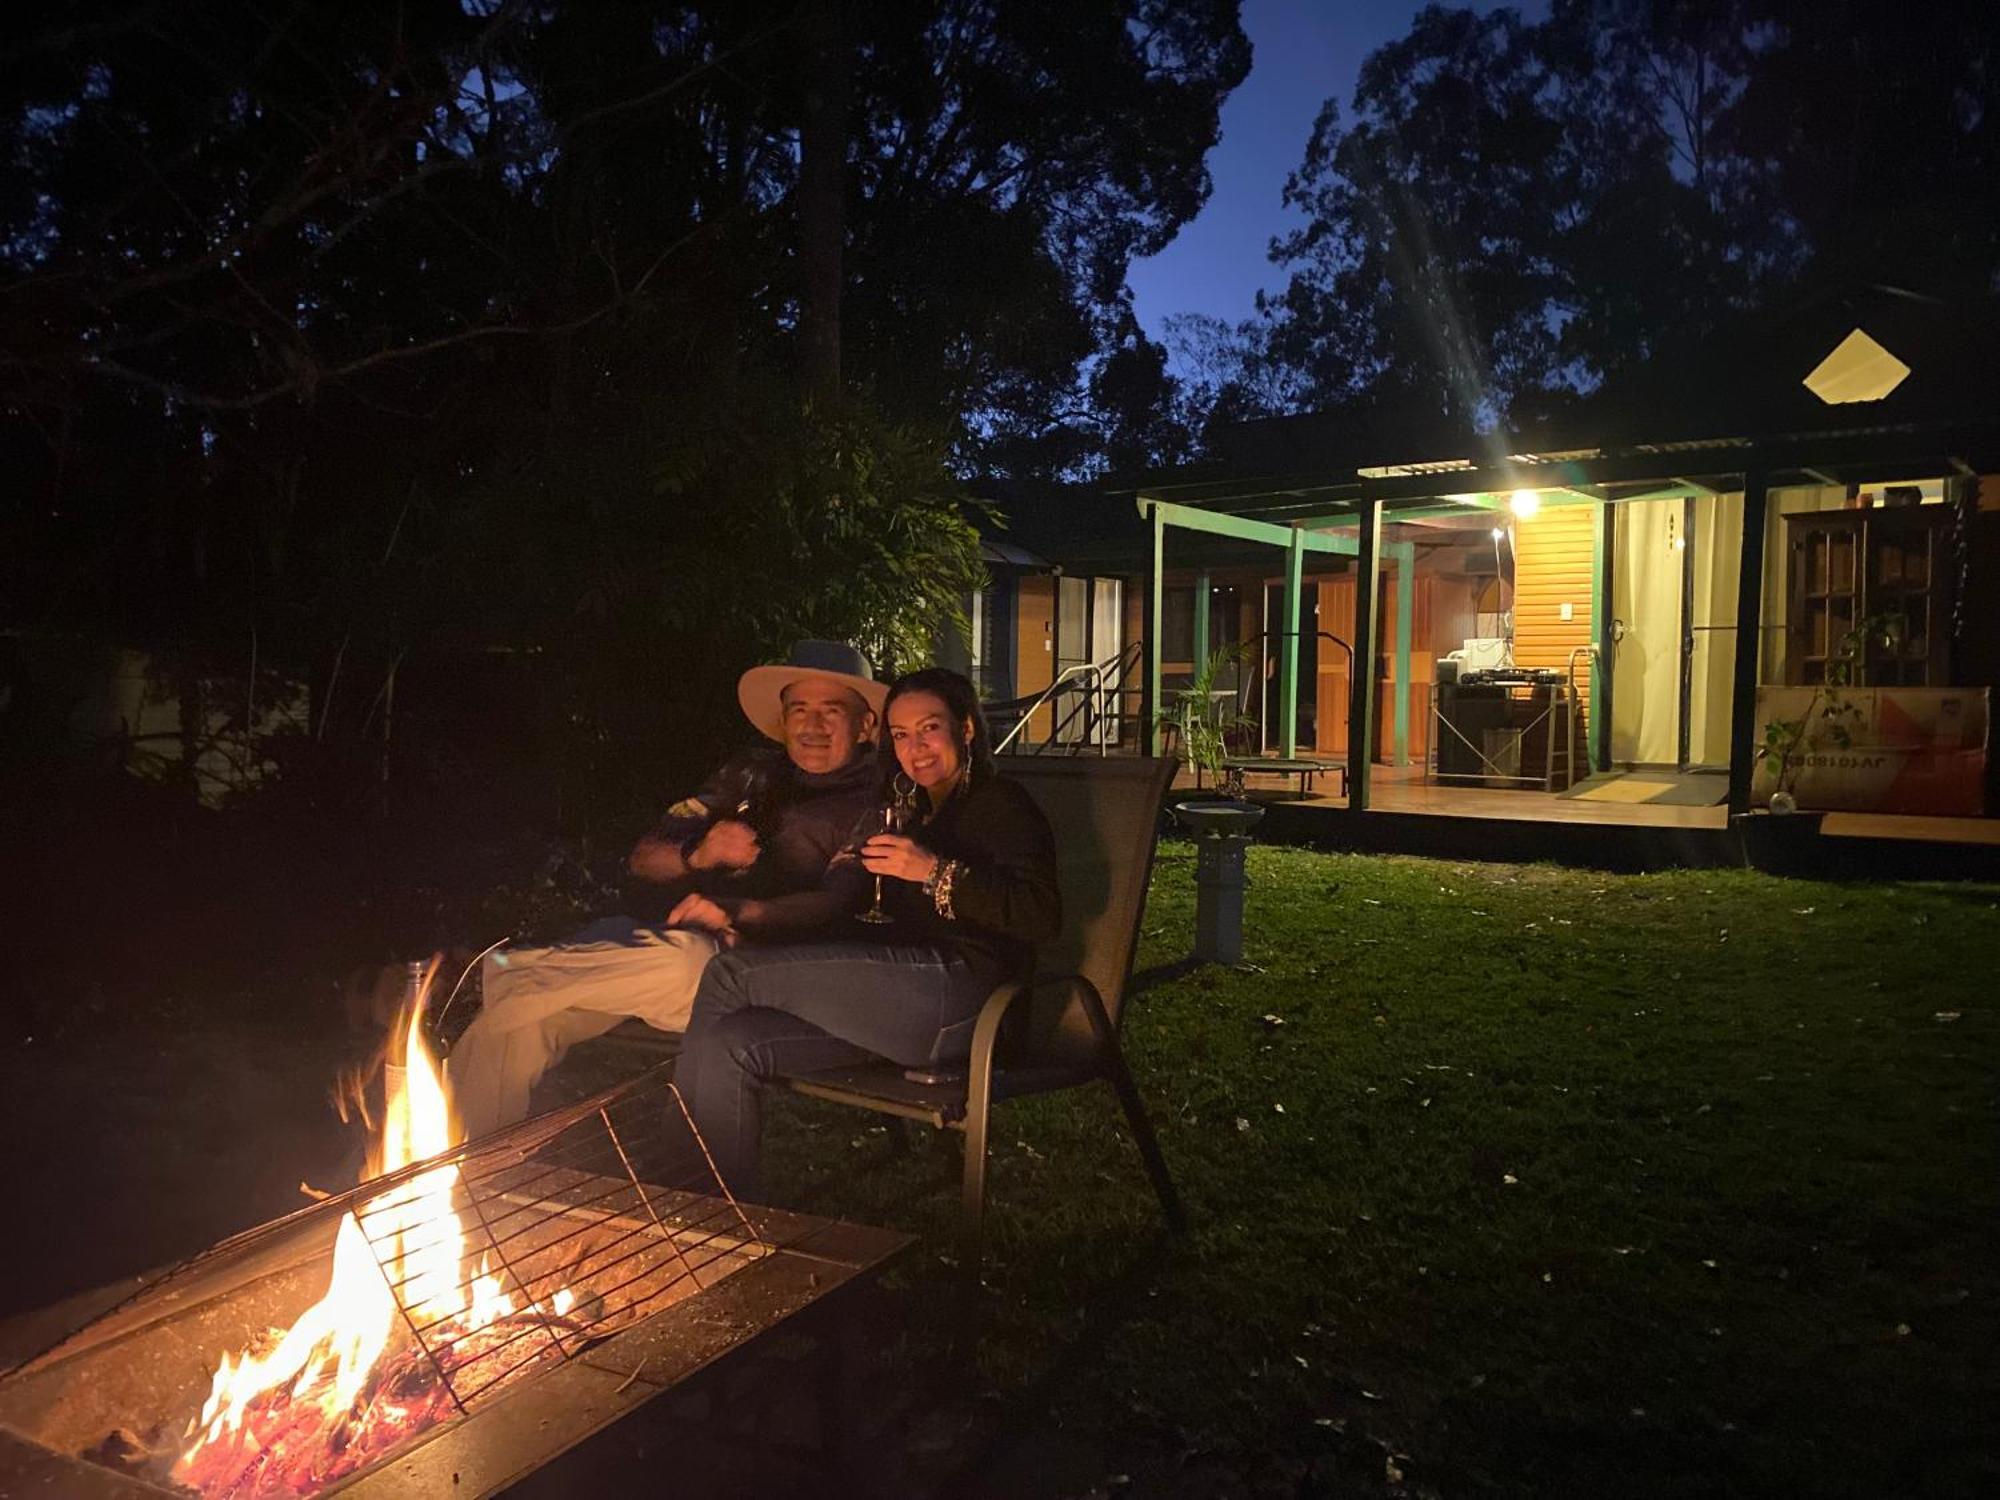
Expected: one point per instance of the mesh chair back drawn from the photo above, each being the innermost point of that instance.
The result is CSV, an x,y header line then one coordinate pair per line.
x,y
1105,812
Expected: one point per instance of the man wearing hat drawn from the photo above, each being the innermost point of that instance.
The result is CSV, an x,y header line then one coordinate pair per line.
x,y
746,858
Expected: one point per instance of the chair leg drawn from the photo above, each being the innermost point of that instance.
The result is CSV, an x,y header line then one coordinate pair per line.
x,y
1143,1137
1120,1076
978,1111
972,1206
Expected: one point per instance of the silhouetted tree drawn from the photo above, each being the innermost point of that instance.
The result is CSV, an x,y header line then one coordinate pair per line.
x,y
1518,209
343,330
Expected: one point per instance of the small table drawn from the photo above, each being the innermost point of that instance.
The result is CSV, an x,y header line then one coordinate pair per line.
x,y
1536,720
1304,770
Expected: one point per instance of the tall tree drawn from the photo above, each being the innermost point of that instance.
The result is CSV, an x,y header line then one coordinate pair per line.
x,y
1012,160
1519,209
1422,249
822,193
1877,128
346,329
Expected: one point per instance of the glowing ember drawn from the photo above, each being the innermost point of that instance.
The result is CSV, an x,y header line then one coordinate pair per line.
x,y
346,1382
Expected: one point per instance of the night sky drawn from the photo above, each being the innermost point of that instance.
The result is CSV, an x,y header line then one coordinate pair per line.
x,y
1305,50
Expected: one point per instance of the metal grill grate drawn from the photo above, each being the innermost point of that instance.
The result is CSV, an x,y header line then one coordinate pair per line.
x,y
585,1221
505,1258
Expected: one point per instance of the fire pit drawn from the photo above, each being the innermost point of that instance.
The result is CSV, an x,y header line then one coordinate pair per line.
x,y
444,1328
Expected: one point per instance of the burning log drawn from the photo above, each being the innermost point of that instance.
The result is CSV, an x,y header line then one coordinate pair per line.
x,y
290,1446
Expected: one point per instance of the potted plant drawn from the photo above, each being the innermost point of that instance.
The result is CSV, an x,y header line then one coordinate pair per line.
x,y
1203,719
1827,724
1829,717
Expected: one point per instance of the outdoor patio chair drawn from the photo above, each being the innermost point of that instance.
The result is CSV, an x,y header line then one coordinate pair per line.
x,y
1060,1030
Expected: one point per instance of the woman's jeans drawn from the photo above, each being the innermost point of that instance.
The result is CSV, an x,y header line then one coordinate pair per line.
x,y
762,1012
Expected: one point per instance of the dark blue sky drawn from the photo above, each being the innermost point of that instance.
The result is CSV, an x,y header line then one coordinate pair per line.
x,y
1305,50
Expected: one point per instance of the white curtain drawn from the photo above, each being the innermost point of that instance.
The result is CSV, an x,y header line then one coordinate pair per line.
x,y
1107,640
1718,536
1645,660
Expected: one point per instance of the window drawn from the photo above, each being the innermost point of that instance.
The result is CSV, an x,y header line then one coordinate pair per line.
x,y
993,641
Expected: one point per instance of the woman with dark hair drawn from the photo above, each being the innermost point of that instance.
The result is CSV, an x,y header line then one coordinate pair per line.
x,y
968,889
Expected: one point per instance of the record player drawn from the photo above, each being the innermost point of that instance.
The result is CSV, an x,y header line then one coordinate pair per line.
x,y
1510,676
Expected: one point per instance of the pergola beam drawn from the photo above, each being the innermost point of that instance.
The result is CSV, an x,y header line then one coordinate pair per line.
x,y
1972,446
1315,516
1241,528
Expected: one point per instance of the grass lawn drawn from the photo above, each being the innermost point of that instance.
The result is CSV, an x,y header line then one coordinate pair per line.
x,y
1544,1181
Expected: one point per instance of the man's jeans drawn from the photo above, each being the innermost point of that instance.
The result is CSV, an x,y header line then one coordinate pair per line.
x,y
800,1009
540,1002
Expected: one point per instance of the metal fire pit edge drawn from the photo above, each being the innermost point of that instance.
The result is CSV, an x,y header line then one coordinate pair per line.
x,y
520,1431
809,1264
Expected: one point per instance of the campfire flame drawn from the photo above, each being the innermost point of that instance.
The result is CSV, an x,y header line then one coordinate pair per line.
x,y
344,1383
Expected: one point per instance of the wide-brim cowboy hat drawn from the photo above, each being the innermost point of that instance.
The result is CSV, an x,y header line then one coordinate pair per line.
x,y
760,690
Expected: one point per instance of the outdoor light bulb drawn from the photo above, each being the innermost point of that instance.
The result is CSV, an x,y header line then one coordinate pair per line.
x,y
1679,544
1524,503
1498,533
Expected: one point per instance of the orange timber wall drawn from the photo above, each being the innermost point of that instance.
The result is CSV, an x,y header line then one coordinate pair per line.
x,y
1034,653
1552,567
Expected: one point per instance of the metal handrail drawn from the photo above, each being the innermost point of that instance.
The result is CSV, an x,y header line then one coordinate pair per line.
x,y
1095,670
1091,704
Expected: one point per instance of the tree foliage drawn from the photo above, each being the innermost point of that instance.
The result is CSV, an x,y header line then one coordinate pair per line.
x,y
358,331
1513,210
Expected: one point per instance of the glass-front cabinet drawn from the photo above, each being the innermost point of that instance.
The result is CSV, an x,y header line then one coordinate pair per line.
x,y
1849,566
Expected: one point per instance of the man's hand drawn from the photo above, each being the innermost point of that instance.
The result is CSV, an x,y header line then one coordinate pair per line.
x,y
898,858
705,915
729,844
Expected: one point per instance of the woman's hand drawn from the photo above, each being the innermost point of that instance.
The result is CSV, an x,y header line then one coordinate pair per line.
x,y
898,858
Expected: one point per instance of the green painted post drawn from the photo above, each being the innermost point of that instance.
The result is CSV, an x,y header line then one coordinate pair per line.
x,y
1154,707
1743,733
1600,633
1200,618
1406,588
1362,688
1288,657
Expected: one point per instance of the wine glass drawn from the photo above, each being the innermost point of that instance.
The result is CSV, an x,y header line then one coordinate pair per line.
x,y
752,781
891,816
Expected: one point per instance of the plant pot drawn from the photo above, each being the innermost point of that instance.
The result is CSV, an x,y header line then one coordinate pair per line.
x,y
1218,815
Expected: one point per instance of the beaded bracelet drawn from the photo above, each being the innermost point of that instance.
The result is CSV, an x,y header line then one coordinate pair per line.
x,y
938,886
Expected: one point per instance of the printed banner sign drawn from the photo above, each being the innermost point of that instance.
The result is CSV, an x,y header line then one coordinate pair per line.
x,y
1909,750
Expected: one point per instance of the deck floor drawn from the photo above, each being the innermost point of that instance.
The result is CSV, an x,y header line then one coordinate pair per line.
x,y
1403,789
